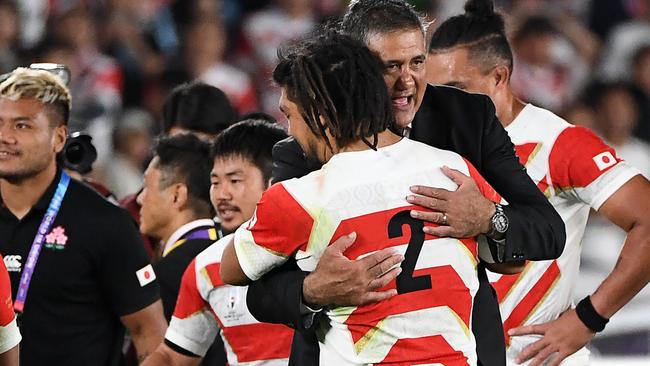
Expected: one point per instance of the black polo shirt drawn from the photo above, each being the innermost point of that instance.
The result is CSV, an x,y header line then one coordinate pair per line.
x,y
84,280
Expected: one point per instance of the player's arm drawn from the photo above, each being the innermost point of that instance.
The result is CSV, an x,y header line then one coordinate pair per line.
x,y
10,357
231,271
147,328
129,283
535,231
165,356
266,241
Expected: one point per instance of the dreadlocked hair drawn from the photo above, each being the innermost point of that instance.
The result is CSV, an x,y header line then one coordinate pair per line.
x,y
481,30
338,85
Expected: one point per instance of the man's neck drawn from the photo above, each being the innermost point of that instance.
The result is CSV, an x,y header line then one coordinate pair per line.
x,y
513,106
180,219
19,197
384,139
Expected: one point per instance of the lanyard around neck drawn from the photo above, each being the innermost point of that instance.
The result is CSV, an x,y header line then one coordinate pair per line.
x,y
204,234
37,244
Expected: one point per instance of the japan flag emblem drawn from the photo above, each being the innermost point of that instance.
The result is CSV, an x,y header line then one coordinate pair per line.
x,y
146,275
604,160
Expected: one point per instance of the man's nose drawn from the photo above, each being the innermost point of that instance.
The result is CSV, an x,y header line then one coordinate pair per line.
x,y
406,79
6,134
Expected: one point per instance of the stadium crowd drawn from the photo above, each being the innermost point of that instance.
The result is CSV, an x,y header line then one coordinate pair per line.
x,y
188,104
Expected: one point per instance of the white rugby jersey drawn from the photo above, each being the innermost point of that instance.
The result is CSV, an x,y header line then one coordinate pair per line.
x,y
577,171
429,321
207,307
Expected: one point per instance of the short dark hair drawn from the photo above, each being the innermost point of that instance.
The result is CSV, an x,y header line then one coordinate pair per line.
x,y
252,140
481,30
339,79
198,107
366,17
185,158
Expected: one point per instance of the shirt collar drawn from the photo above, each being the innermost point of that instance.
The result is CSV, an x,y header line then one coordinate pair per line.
x,y
185,229
44,202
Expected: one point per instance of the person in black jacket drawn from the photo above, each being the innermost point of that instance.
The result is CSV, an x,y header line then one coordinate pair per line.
x,y
446,118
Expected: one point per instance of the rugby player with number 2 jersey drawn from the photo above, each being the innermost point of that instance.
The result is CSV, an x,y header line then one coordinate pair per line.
x,y
335,99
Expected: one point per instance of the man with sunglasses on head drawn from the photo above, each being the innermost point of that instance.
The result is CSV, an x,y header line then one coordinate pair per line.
x,y
79,273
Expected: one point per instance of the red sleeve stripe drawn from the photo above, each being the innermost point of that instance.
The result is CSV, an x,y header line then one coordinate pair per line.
x,y
579,157
280,224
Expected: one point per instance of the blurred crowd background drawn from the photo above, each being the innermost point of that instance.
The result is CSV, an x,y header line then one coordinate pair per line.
x,y
586,60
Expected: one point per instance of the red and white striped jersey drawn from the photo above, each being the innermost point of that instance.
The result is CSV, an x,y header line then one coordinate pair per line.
x,y
429,321
207,307
9,333
577,171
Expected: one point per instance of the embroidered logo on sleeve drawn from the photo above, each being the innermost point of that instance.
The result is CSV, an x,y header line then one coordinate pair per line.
x,y
56,239
146,275
604,160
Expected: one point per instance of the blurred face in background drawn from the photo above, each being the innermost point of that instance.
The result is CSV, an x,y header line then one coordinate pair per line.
x,y
642,72
205,46
616,115
8,25
404,55
236,185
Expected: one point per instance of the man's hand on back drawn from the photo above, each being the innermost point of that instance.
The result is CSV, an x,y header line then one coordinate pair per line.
x,y
468,212
340,281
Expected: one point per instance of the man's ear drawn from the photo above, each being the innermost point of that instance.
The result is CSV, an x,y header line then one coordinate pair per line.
x,y
181,196
59,137
501,75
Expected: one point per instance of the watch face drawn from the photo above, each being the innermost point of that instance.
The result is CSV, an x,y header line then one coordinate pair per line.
x,y
501,223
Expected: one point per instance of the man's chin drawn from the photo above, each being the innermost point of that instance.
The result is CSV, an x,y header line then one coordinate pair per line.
x,y
229,227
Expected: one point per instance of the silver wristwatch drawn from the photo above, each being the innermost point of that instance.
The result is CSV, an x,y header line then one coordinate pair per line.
x,y
499,223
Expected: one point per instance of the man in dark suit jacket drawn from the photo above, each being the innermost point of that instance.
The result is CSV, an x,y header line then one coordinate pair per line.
x,y
446,118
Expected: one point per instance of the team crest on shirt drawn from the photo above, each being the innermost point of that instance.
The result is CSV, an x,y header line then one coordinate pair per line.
x,y
56,239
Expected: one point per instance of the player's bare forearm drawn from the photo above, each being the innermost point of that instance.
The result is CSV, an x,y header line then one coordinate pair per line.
x,y
230,270
627,208
165,356
147,327
10,357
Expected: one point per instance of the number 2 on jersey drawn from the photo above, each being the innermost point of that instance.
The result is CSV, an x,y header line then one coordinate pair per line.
x,y
405,281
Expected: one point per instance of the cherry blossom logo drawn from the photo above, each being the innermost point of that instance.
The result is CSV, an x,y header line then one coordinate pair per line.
x,y
56,239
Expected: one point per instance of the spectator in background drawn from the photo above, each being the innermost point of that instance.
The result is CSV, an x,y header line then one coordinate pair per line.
x,y
96,82
641,80
616,113
264,31
553,62
132,144
9,26
623,41
205,50
190,108
176,208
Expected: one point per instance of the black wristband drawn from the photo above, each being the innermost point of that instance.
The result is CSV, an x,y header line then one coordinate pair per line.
x,y
589,316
